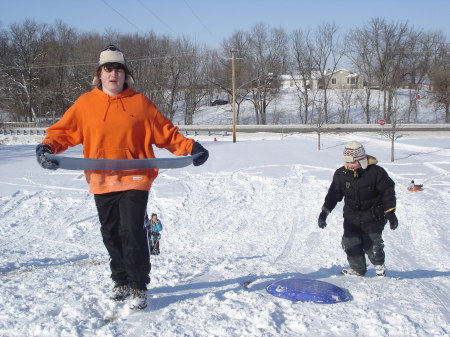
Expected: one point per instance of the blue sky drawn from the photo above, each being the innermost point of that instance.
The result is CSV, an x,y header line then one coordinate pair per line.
x,y
210,21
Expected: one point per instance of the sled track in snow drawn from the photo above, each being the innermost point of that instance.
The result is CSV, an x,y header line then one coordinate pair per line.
x,y
297,177
416,247
32,243
77,261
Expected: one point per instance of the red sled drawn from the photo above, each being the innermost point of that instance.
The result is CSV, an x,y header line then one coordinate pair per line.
x,y
416,188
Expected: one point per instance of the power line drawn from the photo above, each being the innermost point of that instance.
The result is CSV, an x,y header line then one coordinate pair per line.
x,y
156,16
77,64
121,15
201,22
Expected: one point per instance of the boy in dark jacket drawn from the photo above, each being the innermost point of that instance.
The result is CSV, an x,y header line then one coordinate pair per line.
x,y
369,202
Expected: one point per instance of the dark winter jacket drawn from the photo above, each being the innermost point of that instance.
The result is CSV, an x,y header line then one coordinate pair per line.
x,y
367,195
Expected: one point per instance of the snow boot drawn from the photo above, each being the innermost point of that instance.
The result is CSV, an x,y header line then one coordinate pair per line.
x,y
380,270
120,292
138,299
350,272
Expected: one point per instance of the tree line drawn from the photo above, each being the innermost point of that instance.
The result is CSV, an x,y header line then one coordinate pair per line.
x,y
45,68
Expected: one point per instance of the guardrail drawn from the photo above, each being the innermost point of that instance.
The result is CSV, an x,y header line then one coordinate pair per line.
x,y
18,124
22,131
291,128
305,128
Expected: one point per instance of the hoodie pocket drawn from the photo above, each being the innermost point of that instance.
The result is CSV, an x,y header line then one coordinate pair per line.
x,y
111,153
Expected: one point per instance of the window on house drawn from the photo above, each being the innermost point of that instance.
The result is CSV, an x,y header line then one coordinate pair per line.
x,y
333,81
353,80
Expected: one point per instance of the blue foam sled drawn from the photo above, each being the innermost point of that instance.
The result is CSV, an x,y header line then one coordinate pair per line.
x,y
306,290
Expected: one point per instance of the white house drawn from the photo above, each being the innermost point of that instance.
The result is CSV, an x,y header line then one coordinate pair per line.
x,y
340,79
296,81
345,79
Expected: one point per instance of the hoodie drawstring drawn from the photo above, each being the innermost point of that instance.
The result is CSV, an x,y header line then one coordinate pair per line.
x,y
121,102
106,111
109,104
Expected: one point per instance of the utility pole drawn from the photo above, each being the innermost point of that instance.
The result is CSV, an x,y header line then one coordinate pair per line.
x,y
233,89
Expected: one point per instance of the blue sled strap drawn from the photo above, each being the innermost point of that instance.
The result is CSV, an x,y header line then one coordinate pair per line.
x,y
90,164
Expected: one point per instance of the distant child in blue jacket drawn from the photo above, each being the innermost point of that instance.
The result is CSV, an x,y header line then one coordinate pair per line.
x,y
153,227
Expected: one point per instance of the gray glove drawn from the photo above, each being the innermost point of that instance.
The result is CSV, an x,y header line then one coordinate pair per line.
x,y
42,160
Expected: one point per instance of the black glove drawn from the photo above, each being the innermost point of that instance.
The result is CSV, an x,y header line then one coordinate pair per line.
x,y
198,148
392,218
322,219
42,160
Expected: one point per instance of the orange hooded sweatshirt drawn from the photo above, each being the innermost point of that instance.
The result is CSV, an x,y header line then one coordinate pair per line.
x,y
124,126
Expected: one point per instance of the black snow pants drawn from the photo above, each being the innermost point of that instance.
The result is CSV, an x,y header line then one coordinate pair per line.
x,y
121,217
356,244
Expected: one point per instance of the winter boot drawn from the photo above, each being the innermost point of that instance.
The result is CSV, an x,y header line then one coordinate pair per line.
x,y
120,292
380,270
350,272
138,299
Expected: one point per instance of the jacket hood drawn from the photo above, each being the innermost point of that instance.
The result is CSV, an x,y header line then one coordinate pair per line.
x,y
371,160
110,99
125,93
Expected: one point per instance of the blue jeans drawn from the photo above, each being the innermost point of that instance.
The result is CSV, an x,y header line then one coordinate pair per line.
x,y
357,244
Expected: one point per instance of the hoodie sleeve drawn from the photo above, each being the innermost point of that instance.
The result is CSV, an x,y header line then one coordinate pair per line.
x,y
166,135
64,133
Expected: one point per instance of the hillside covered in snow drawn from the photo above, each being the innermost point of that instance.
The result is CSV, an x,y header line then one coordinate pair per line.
x,y
246,218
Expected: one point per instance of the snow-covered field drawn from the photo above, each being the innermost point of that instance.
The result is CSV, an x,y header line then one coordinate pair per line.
x,y
284,109
248,216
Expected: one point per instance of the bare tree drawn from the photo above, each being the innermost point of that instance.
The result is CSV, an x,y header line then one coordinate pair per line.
x,y
193,79
345,101
25,55
362,55
421,51
326,55
267,51
4,60
57,82
440,80
151,58
389,43
391,130
303,70
173,91
243,68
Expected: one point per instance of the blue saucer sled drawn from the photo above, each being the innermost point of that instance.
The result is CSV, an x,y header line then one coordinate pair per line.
x,y
306,290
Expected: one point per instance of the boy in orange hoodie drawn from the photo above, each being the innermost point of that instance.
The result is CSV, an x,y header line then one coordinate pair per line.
x,y
115,122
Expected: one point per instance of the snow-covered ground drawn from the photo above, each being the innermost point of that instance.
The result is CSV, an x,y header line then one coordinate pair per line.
x,y
248,216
